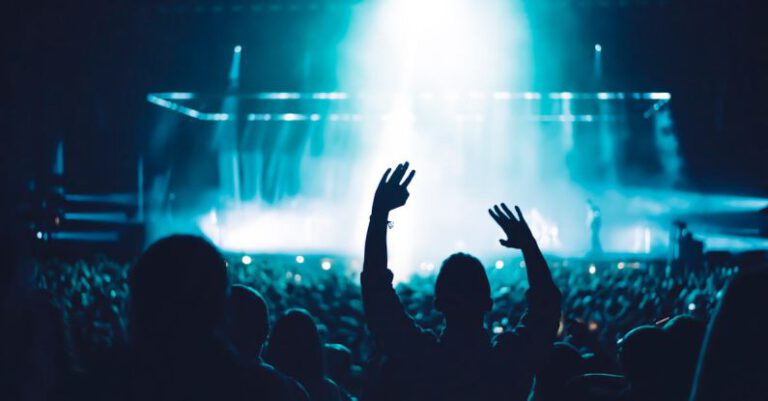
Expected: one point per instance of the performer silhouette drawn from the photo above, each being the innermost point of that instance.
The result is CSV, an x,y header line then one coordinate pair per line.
x,y
594,221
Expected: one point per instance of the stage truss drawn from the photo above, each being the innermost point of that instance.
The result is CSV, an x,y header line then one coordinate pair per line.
x,y
466,106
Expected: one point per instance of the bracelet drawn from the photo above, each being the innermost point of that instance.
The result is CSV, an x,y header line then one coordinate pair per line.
x,y
390,223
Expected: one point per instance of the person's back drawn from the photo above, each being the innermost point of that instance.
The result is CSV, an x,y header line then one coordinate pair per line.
x,y
686,334
247,327
179,290
295,349
338,360
463,363
643,353
564,364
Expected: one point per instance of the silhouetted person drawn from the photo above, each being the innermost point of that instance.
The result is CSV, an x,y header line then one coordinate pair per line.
x,y
565,363
338,362
247,328
734,359
179,290
463,363
295,349
685,334
658,364
595,223
643,356
247,321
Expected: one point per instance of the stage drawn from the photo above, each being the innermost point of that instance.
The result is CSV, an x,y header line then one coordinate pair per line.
x,y
295,173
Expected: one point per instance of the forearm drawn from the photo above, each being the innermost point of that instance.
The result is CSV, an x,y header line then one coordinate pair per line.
x,y
375,258
385,315
378,293
539,276
537,328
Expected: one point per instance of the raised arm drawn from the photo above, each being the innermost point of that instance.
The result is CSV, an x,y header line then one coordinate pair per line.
x,y
534,334
391,193
519,236
387,320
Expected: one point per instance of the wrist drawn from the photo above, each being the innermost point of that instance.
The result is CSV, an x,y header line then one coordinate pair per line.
x,y
529,244
379,217
379,214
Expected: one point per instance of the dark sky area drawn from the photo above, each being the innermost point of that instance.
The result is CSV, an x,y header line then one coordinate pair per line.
x,y
79,71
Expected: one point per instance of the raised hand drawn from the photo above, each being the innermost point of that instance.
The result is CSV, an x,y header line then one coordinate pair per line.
x,y
393,190
516,229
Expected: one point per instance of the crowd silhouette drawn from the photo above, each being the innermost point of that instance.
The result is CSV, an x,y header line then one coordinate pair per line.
x,y
463,362
174,327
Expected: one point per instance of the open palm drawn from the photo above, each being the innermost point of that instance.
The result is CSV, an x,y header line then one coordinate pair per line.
x,y
392,191
516,229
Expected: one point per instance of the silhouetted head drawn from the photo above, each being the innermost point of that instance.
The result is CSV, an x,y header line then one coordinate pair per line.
x,y
247,320
685,334
338,360
565,362
178,289
643,352
734,361
295,348
462,287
